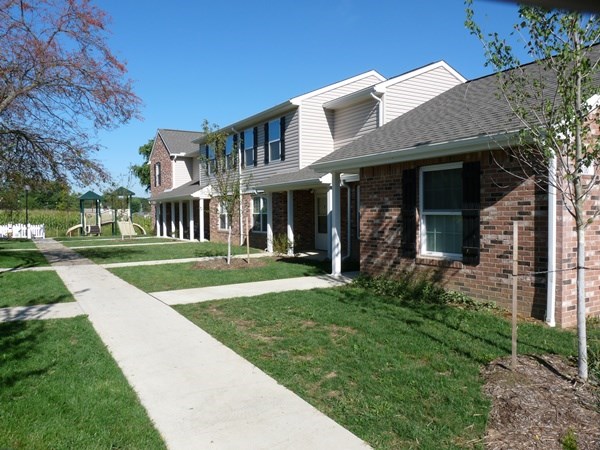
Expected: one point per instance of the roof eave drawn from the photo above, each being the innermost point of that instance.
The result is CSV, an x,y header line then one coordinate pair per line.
x,y
427,151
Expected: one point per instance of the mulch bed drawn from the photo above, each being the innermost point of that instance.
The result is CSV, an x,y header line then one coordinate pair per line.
x,y
539,404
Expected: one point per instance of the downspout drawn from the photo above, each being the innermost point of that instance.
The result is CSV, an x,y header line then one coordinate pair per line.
x,y
551,282
348,218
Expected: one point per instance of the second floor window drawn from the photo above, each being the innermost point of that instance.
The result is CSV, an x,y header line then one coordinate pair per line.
x,y
229,153
157,174
274,140
249,146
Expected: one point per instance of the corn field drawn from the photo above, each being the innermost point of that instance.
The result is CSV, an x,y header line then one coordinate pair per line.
x,y
58,222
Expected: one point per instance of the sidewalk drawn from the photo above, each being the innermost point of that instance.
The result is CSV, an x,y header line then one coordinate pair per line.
x,y
198,393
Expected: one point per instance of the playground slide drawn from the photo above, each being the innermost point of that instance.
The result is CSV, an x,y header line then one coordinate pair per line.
x,y
140,227
73,228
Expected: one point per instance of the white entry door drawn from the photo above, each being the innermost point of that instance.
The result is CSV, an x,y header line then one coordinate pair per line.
x,y
321,221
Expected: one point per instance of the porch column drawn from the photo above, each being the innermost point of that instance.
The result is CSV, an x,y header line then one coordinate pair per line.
x,y
201,219
270,222
336,226
290,221
163,219
180,220
172,218
191,218
157,218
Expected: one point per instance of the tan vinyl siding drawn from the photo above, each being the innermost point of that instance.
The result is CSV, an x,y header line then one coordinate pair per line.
x,y
408,94
355,121
317,125
195,168
182,171
263,171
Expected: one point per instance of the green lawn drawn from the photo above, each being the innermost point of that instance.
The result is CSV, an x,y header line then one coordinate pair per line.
x,y
14,244
32,288
104,241
399,374
131,253
62,390
167,277
10,259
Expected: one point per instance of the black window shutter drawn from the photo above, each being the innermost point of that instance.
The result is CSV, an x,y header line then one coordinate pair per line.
x,y
282,137
409,213
470,212
239,149
242,149
266,143
255,146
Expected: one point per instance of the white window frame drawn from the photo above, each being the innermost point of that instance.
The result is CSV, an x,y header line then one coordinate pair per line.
x,y
276,123
223,212
248,147
262,202
157,174
423,213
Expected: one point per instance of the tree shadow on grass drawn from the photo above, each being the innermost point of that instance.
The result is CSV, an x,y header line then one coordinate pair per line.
x,y
21,259
18,341
477,339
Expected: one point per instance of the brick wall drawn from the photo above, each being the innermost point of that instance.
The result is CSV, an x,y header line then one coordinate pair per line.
x,y
504,199
160,154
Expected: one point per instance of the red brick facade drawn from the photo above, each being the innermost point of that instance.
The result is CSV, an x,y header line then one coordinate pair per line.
x,y
504,199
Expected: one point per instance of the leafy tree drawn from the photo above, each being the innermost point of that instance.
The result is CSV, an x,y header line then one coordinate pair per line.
x,y
59,84
557,104
142,171
221,167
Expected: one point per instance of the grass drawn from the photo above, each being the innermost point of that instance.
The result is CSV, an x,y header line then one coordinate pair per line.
x,y
399,374
183,276
32,288
158,252
16,244
107,241
10,259
61,389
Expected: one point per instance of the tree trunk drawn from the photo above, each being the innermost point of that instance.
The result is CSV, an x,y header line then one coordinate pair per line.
x,y
229,245
582,363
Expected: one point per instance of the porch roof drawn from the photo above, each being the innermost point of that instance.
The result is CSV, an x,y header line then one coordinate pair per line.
x,y
182,192
300,179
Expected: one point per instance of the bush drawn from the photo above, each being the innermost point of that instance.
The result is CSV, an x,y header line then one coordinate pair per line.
x,y
423,291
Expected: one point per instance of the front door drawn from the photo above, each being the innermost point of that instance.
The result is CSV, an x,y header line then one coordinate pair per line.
x,y
321,221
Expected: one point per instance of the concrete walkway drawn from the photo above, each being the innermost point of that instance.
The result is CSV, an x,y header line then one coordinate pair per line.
x,y
198,393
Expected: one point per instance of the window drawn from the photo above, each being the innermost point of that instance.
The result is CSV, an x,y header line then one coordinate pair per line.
x,y
157,174
249,146
275,140
441,202
223,217
259,215
211,166
229,153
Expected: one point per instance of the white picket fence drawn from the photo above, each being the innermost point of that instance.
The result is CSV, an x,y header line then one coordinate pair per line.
x,y
19,230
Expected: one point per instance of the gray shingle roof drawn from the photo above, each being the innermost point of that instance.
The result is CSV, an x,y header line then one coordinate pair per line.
x,y
184,191
306,176
179,141
468,110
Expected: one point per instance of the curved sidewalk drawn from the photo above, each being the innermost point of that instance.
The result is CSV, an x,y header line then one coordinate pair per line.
x,y
198,393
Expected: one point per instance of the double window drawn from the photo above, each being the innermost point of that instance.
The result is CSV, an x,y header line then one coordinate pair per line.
x,y
259,214
249,146
441,205
157,175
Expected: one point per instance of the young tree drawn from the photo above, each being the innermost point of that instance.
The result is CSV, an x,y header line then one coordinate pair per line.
x,y
59,84
556,102
222,169
142,171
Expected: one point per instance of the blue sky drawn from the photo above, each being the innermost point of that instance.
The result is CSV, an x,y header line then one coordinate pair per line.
x,y
224,60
